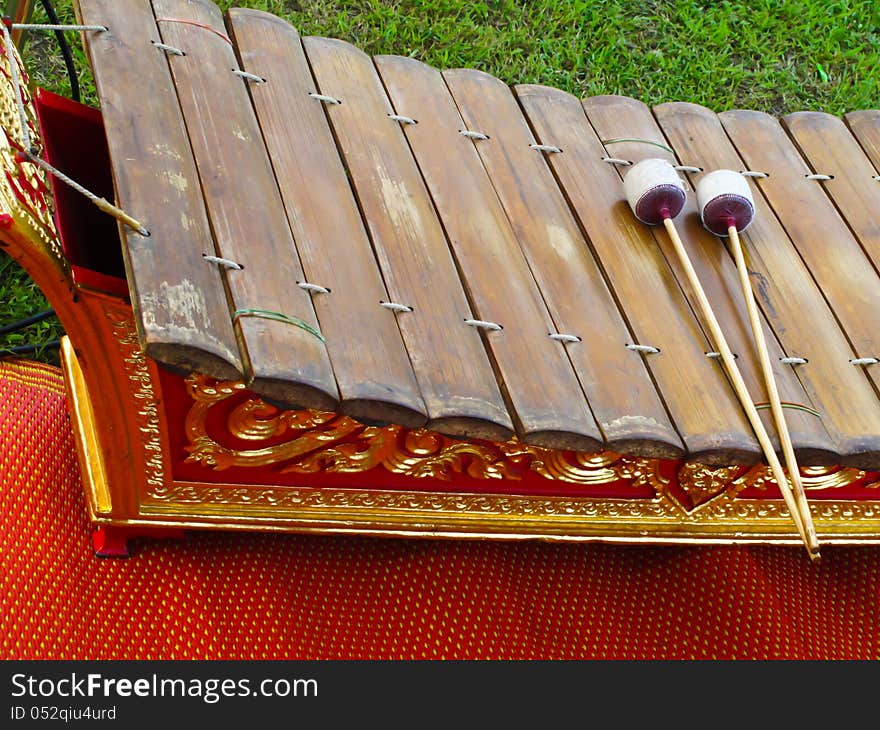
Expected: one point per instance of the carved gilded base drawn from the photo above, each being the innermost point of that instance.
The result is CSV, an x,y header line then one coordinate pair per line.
x,y
689,503
440,514
211,455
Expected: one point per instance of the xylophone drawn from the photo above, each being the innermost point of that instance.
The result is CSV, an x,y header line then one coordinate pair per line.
x,y
355,294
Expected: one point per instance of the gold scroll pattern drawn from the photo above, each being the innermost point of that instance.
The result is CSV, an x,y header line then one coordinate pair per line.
x,y
429,503
328,442
702,483
313,442
25,197
814,478
374,503
143,391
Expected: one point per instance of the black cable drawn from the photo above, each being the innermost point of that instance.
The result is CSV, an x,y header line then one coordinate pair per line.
x,y
21,324
26,322
65,50
28,349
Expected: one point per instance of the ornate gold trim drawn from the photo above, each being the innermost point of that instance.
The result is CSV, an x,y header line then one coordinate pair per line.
x,y
847,512
328,442
143,391
814,478
421,504
85,432
382,511
432,513
25,195
702,483
313,442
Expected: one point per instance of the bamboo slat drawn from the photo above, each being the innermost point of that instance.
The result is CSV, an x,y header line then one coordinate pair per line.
x,y
458,384
788,295
371,365
823,239
701,402
287,360
545,396
830,149
623,118
865,126
620,391
181,310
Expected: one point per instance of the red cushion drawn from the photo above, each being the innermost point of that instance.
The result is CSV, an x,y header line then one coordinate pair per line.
x,y
233,596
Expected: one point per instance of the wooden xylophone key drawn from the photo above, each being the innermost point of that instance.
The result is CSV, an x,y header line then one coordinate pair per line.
x,y
832,151
865,127
791,299
286,356
702,405
370,362
453,370
618,386
184,318
631,132
545,396
836,260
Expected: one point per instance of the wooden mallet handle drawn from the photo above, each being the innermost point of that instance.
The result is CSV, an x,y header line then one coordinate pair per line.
x,y
656,193
775,402
740,387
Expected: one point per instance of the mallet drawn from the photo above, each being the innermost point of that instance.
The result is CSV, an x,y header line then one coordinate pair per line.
x,y
657,194
726,208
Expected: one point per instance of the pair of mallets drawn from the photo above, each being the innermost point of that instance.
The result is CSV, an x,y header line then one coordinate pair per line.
x,y
657,194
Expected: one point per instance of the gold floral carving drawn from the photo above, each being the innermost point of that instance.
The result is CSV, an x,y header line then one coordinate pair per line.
x,y
25,198
255,421
312,442
657,511
572,467
701,482
295,498
328,442
309,442
760,509
143,391
814,478
416,453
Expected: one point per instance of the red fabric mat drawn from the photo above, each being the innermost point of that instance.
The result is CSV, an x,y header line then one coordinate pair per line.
x,y
224,596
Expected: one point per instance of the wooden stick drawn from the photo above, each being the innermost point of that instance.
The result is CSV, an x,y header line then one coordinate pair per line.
x,y
775,402
738,383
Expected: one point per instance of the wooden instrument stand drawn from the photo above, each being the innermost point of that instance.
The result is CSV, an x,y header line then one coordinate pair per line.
x,y
164,450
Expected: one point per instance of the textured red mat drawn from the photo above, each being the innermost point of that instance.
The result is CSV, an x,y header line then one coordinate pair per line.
x,y
223,596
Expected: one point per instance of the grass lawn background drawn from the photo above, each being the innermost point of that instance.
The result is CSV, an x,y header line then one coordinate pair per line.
x,y
777,56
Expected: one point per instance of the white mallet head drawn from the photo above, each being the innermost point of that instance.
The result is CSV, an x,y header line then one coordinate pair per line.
x,y
654,190
725,199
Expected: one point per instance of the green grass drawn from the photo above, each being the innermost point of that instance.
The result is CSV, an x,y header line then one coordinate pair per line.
x,y
772,55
